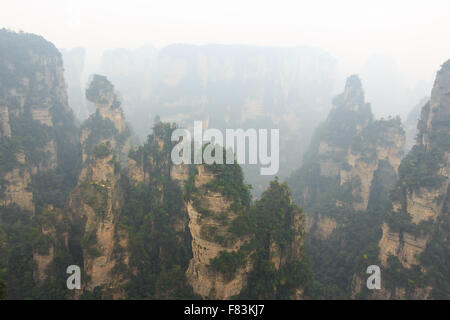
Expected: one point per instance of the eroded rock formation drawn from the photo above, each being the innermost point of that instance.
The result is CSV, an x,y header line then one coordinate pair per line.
x,y
418,223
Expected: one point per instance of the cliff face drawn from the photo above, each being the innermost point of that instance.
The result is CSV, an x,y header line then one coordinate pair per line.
x,y
343,186
213,228
121,227
16,189
108,122
39,151
281,268
418,223
33,109
101,92
347,150
82,228
138,226
95,204
94,208
321,226
210,217
411,124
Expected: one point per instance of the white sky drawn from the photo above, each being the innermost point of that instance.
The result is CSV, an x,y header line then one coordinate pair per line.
x,y
416,34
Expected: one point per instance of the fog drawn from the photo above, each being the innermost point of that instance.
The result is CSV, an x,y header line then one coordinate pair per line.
x,y
411,35
401,43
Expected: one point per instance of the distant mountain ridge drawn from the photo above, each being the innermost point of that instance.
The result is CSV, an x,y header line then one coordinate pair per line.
x,y
227,86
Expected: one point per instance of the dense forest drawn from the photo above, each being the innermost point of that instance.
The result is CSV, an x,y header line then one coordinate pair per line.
x,y
141,227
354,180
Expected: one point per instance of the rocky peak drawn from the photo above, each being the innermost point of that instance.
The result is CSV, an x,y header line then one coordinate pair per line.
x,y
101,92
353,90
347,148
108,123
352,99
350,113
32,77
418,222
435,117
34,112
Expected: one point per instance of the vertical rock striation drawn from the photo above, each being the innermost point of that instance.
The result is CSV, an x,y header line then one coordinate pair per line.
x,y
415,232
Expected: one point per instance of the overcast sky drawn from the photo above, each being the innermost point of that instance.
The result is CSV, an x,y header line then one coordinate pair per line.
x,y
415,34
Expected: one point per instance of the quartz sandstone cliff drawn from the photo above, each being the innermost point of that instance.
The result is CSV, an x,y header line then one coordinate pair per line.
x,y
423,204
85,226
346,152
95,204
33,105
209,238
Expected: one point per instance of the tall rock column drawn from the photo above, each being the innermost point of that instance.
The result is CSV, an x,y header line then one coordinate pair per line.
x,y
415,233
95,204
